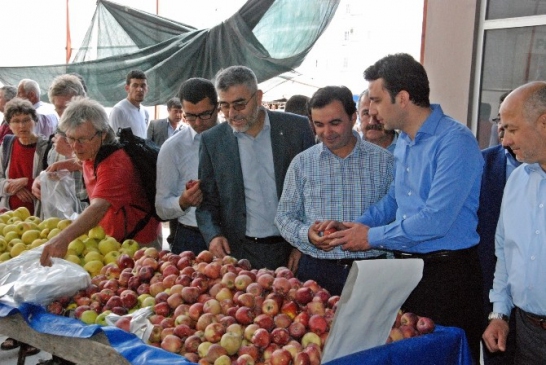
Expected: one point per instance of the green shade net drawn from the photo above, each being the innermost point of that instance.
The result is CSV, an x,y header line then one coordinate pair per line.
x,y
269,36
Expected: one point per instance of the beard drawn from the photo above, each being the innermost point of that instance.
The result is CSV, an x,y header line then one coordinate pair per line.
x,y
374,127
251,120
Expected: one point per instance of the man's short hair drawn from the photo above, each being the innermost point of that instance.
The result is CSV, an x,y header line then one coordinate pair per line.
x,y
65,85
19,106
9,92
401,72
30,86
298,104
196,89
328,94
236,75
135,74
174,103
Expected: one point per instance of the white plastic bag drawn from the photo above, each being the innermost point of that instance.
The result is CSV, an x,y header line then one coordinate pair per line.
x,y
58,191
25,280
139,325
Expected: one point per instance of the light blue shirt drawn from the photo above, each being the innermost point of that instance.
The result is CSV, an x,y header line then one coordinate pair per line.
x,y
432,204
177,162
511,163
320,185
520,244
261,199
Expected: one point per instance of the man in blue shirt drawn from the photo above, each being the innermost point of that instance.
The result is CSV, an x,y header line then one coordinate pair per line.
x,y
430,210
336,179
520,241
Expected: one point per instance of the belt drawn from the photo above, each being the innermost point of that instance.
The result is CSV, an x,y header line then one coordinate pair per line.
x,y
443,254
536,320
349,262
191,228
266,240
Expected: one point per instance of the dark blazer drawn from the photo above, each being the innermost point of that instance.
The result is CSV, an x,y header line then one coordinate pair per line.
x,y
158,131
223,210
493,182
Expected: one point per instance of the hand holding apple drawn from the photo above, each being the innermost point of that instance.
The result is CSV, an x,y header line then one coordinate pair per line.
x,y
192,196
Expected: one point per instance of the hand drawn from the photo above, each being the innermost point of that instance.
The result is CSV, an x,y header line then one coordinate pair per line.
x,y
320,242
56,247
62,147
219,246
322,226
191,197
70,165
294,259
495,335
37,188
25,195
14,185
354,238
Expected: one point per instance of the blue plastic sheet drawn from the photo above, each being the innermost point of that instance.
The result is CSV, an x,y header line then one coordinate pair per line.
x,y
127,344
445,346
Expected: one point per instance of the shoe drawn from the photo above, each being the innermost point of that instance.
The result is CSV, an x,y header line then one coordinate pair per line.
x,y
55,360
9,344
31,350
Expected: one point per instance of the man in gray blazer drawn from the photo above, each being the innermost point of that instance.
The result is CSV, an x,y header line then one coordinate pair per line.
x,y
161,129
242,167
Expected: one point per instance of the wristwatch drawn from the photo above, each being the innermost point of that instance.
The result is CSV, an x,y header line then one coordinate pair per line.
x,y
494,315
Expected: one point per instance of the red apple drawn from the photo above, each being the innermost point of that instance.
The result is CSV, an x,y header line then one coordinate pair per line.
x,y
129,298
409,319
265,321
425,325
280,336
261,338
244,315
282,320
281,357
296,329
171,343
318,324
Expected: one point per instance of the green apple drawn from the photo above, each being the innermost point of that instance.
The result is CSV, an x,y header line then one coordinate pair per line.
x,y
5,256
148,302
111,257
93,256
50,223
33,219
22,212
93,267
9,228
63,224
17,249
44,232
37,242
130,245
89,316
101,318
77,246
53,233
73,258
108,244
3,245
97,233
143,296
11,235
13,220
6,216
29,236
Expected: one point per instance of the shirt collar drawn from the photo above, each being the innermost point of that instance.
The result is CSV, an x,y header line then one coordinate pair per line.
x,y
358,146
534,167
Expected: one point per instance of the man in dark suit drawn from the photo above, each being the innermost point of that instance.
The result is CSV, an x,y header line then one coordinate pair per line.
x,y
499,163
161,129
242,167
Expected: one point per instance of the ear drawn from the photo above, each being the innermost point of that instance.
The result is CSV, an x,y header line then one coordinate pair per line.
x,y
403,98
259,96
127,88
353,119
541,122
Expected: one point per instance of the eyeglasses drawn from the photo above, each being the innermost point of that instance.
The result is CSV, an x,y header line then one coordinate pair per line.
x,y
496,120
82,140
203,116
27,120
238,105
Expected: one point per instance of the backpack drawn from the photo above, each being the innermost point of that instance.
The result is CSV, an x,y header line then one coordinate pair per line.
x,y
143,154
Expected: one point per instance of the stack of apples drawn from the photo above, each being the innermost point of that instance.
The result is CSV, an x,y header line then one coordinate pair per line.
x,y
409,325
211,310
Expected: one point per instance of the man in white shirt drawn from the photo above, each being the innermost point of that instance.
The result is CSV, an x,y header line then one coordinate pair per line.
x,y
178,161
47,118
129,112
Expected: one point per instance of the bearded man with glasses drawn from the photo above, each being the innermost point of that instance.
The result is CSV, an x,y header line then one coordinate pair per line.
x,y
117,199
242,165
177,163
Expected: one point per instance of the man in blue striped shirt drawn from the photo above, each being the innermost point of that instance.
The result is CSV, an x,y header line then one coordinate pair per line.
x,y
336,179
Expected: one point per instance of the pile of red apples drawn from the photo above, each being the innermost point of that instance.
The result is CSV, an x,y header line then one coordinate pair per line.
x,y
211,310
409,325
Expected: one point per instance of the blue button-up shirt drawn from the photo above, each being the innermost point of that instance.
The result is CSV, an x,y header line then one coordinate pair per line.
x,y
433,202
520,244
320,185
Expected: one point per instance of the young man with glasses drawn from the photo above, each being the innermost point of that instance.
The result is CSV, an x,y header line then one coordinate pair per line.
x,y
178,161
118,201
242,167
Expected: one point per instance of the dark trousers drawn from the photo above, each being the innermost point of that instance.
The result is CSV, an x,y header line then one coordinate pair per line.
x,y
327,273
269,255
530,341
188,239
450,293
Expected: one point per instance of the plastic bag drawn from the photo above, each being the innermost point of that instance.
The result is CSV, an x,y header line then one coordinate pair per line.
x,y
139,323
58,190
25,280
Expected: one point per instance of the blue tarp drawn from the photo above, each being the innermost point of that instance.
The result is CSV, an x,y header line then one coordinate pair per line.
x,y
127,344
446,346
